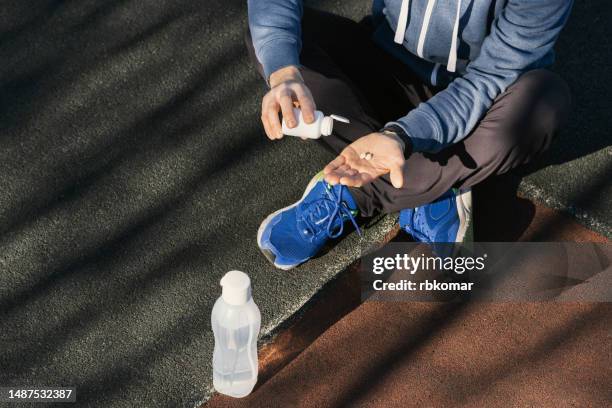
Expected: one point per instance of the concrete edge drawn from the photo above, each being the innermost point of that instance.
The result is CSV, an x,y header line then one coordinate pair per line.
x,y
533,192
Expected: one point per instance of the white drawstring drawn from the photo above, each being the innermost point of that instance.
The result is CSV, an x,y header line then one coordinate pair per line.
x,y
451,66
425,27
400,31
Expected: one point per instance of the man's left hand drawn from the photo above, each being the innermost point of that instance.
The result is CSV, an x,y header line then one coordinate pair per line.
x,y
352,168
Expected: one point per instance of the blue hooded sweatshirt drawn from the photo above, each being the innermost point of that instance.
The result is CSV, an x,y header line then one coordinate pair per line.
x,y
473,48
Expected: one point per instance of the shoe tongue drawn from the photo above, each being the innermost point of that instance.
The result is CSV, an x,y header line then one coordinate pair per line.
x,y
315,214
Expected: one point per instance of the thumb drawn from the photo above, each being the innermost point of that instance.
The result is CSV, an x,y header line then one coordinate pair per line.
x,y
397,176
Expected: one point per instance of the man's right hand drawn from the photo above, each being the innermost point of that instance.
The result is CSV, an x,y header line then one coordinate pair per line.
x,y
287,90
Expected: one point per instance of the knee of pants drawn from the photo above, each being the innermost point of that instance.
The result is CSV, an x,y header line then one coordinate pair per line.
x,y
541,102
551,96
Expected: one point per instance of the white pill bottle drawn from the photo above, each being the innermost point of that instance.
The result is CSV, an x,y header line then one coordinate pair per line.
x,y
236,321
322,125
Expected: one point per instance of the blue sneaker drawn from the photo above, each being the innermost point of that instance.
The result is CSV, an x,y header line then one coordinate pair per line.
x,y
294,234
448,219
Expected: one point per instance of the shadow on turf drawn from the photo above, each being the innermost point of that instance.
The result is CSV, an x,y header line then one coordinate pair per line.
x,y
144,126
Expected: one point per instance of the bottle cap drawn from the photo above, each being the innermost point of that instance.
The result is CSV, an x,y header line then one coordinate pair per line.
x,y
236,288
327,124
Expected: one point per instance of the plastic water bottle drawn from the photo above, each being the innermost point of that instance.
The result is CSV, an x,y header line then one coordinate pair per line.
x,y
322,125
235,322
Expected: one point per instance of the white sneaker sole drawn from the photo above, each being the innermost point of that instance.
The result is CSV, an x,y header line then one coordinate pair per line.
x,y
464,210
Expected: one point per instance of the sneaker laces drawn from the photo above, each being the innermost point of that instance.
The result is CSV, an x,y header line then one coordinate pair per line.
x,y
331,207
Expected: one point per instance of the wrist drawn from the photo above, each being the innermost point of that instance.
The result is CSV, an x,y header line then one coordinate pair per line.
x,y
401,136
288,73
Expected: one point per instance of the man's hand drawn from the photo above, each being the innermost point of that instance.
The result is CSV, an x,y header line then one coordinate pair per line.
x,y
287,89
352,169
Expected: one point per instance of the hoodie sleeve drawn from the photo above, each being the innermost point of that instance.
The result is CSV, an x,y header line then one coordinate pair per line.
x,y
521,39
276,32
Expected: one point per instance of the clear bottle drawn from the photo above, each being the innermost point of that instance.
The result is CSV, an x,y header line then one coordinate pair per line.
x,y
236,321
321,126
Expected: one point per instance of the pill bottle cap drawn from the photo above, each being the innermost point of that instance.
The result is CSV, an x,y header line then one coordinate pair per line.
x,y
236,288
327,124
